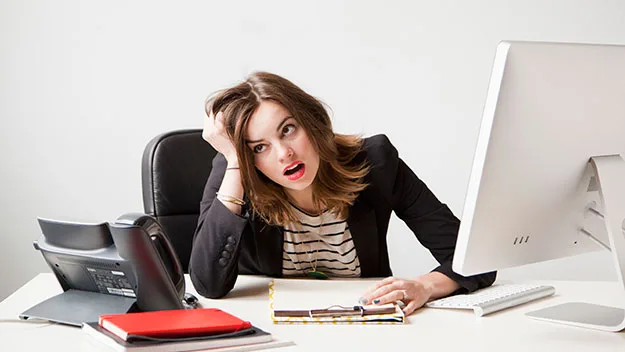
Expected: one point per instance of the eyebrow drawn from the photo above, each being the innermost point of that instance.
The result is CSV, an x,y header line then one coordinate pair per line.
x,y
277,130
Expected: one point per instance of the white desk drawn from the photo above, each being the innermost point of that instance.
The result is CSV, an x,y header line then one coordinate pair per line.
x,y
426,330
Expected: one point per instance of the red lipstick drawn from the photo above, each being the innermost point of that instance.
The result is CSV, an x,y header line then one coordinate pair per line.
x,y
294,170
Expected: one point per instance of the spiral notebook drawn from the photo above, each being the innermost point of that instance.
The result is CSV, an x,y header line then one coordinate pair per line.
x,y
334,301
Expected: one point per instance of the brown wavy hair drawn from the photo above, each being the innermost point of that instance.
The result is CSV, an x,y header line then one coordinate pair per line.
x,y
340,176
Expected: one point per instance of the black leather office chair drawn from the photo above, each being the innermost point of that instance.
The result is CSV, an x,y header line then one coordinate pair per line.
x,y
174,170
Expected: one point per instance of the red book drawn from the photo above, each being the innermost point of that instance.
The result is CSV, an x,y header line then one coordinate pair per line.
x,y
173,323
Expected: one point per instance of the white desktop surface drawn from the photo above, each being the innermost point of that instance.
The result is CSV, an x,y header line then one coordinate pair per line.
x,y
426,330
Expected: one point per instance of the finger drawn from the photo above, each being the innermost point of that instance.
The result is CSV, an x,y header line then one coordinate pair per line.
x,y
387,281
390,297
218,122
208,128
367,295
220,125
410,308
380,283
209,114
398,285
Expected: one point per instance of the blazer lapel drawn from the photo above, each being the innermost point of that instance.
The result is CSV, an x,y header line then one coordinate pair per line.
x,y
363,228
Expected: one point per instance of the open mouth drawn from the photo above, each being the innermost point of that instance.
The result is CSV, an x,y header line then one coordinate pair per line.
x,y
293,169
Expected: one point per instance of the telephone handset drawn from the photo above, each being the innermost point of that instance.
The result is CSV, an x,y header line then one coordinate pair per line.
x,y
158,272
108,268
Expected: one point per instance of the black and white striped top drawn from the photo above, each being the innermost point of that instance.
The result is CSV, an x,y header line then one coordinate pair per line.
x,y
322,243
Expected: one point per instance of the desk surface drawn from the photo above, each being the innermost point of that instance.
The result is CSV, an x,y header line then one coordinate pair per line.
x,y
430,329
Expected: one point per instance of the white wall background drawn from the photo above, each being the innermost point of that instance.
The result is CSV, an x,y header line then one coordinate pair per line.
x,y
84,85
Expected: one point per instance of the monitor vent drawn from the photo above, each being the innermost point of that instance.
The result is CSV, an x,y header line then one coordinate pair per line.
x,y
521,240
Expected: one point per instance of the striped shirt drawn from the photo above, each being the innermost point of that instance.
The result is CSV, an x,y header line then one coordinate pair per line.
x,y
322,243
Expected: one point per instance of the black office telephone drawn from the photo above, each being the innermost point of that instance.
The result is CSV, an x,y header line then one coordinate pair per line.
x,y
107,268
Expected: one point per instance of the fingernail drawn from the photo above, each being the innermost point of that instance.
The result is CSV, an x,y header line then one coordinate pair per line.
x,y
376,301
362,301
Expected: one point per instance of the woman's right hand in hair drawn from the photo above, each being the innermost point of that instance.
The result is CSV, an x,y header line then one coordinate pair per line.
x,y
215,134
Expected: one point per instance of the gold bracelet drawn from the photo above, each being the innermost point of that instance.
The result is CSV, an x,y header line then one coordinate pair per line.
x,y
230,199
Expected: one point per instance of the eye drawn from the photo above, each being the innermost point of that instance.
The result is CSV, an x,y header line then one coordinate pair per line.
x,y
259,148
288,129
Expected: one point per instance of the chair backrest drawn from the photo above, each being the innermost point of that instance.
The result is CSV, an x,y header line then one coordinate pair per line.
x,y
174,170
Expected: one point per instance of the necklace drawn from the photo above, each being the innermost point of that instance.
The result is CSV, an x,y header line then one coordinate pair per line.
x,y
307,212
314,272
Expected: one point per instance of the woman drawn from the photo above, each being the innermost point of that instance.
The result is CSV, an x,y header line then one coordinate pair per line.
x,y
289,197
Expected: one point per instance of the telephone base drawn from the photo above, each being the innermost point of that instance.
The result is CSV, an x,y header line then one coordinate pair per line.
x,y
74,307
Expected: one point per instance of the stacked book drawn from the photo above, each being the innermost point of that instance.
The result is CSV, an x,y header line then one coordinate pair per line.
x,y
180,330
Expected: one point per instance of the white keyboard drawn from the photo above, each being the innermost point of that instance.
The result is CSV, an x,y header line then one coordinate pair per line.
x,y
494,298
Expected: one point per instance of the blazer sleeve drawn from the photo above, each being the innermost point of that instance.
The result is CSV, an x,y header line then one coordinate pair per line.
x,y
432,222
213,266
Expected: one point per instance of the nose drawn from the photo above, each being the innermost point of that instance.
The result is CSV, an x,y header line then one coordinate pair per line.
x,y
285,152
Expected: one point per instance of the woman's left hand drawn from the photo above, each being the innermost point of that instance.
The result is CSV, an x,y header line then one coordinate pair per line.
x,y
414,293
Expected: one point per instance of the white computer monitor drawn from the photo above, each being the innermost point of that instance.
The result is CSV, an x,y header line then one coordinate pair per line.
x,y
548,172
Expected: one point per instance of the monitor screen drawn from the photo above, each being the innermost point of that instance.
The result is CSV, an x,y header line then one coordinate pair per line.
x,y
550,108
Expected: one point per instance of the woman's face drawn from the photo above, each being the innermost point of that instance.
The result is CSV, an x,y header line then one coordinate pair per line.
x,y
281,148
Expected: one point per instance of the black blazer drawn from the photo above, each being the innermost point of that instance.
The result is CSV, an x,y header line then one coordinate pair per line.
x,y
226,244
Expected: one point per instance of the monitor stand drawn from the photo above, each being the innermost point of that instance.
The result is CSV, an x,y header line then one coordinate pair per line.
x,y
607,175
